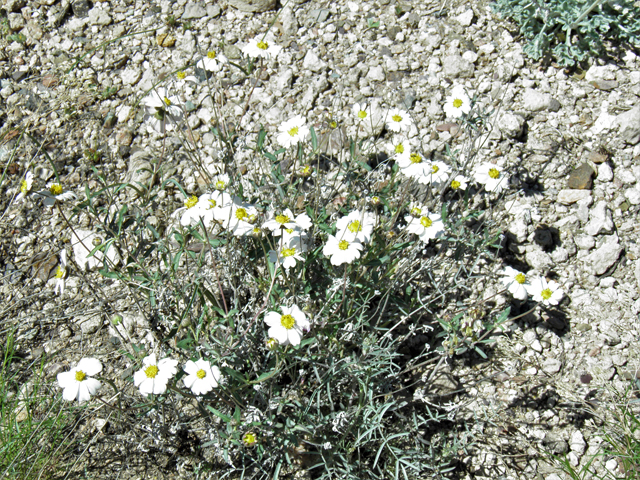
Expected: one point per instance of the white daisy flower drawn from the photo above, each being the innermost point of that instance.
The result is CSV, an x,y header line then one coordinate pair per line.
x,y
61,272
459,183
292,131
458,103
426,226
263,47
356,226
241,218
415,166
202,377
400,147
341,251
221,182
212,62
286,220
54,193
191,213
182,79
516,282
154,376
215,206
416,209
492,177
288,252
25,187
398,120
546,292
77,382
439,173
289,326
362,112
161,99
162,109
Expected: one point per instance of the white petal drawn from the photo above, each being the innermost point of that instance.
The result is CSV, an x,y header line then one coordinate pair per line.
x,y
92,385
71,392
294,336
90,366
279,333
146,387
66,379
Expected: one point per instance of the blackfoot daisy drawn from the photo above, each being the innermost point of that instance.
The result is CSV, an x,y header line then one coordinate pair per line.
x,y
78,383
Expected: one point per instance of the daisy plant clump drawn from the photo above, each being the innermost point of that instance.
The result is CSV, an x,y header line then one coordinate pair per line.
x,y
78,383
303,291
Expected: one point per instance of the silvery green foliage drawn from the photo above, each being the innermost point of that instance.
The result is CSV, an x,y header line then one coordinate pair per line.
x,y
572,29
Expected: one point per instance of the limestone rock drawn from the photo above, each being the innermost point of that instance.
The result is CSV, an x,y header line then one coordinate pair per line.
x,y
254,6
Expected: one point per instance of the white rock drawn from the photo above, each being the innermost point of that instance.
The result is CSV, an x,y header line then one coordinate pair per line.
x,y
455,66
551,366
629,123
570,196
312,62
376,74
577,442
465,18
536,101
601,259
470,56
606,72
131,76
511,124
97,16
600,220
605,173
633,195
539,260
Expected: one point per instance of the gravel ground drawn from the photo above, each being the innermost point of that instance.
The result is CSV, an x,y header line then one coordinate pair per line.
x,y
570,139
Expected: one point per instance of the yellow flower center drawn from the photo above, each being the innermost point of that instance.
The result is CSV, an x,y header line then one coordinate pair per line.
x,y
249,439
520,278
289,230
212,204
434,169
80,376
263,45
396,118
343,245
426,222
333,124
181,75
416,212
355,226
55,189
400,148
151,371
415,158
457,103
306,170
293,132
191,201
257,232
287,321
221,185
362,114
375,200
282,219
211,55
167,101
546,294
201,374
24,187
60,272
241,213
288,252
455,184
494,173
